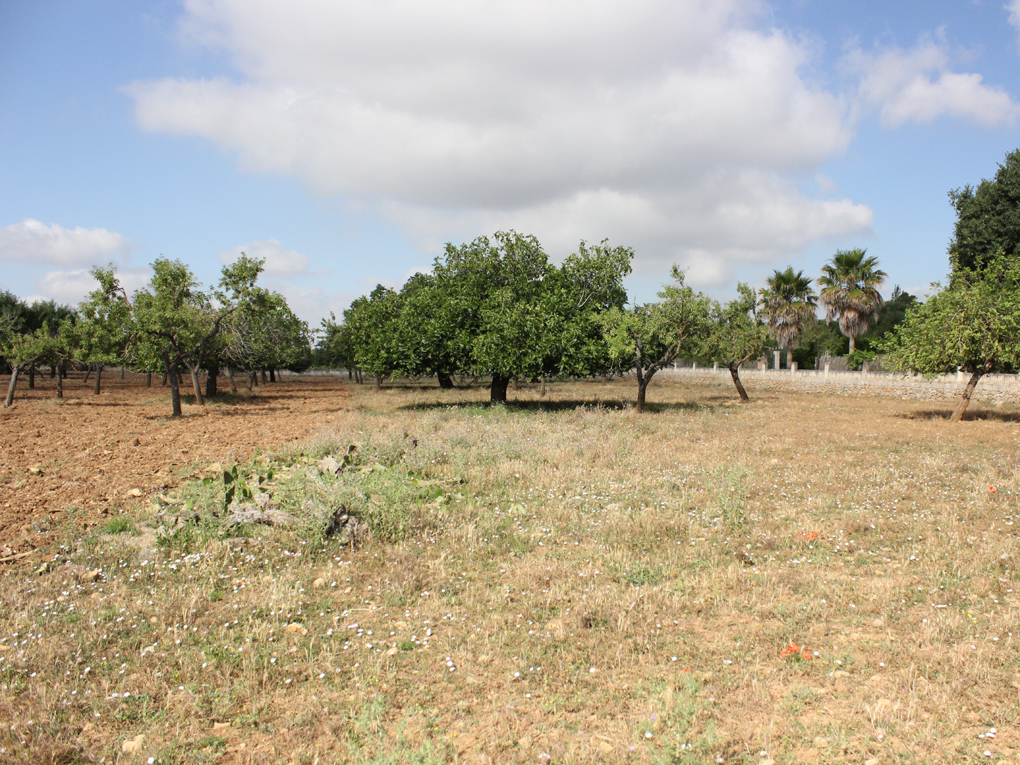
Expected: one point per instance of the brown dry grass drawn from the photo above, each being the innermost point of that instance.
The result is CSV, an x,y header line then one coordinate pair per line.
x,y
591,586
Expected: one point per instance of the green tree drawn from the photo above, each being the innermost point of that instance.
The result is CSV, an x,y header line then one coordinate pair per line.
x,y
262,334
372,324
101,332
973,324
175,321
849,292
735,335
647,337
787,304
988,218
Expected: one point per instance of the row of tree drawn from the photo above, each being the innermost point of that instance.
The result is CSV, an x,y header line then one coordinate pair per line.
x,y
171,326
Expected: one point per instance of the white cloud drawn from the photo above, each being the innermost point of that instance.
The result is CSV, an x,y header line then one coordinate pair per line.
x,y
33,241
676,126
72,286
279,261
917,86
1013,6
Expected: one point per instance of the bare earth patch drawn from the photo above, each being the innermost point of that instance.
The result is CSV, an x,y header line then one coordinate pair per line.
x,y
82,457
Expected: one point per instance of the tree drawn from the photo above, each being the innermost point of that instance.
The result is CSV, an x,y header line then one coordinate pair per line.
x,y
263,333
735,335
973,324
787,303
101,333
988,219
647,337
498,308
849,292
372,324
175,321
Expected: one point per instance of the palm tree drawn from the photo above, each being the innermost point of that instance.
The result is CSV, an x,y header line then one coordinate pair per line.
x,y
787,302
849,292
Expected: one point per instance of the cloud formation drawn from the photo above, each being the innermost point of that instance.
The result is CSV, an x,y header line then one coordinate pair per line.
x,y
680,127
917,86
279,261
36,242
71,286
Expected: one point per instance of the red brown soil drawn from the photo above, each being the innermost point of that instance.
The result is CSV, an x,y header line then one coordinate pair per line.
x,y
89,452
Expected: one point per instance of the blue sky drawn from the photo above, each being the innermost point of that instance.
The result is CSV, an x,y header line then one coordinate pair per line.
x,y
346,142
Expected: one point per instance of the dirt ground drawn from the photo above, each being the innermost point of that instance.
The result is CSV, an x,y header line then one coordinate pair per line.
x,y
86,457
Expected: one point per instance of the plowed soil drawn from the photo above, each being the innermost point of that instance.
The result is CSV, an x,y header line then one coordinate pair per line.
x,y
85,457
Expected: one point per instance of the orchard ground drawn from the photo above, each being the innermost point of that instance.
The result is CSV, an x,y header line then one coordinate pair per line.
x,y
805,578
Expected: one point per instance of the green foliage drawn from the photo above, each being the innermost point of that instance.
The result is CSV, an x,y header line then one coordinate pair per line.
x,y
988,219
974,324
101,333
859,357
735,334
371,331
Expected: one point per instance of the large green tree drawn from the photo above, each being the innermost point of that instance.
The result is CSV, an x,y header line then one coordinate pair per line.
x,y
973,324
371,323
497,308
849,292
787,304
988,218
648,337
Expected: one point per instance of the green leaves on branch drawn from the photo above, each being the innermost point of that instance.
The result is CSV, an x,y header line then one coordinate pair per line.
x,y
973,324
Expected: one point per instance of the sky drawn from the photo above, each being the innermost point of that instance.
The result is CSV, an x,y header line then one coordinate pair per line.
x,y
346,142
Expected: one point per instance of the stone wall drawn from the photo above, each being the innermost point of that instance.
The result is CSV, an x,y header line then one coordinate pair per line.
x,y
993,389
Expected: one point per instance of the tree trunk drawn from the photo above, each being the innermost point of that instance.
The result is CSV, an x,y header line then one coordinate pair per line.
x,y
199,399
88,373
853,343
542,392
31,377
121,371
60,382
735,374
497,391
53,371
378,382
164,379
98,379
642,386
350,375
272,376
210,381
15,371
252,380
263,370
445,381
230,380
148,379
962,406
175,395
513,383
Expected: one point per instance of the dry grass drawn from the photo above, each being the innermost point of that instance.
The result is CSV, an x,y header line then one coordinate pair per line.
x,y
558,581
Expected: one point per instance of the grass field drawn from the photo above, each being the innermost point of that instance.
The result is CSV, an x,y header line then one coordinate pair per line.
x,y
801,579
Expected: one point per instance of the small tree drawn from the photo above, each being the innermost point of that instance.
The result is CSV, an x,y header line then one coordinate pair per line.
x,y
973,324
647,337
735,335
100,335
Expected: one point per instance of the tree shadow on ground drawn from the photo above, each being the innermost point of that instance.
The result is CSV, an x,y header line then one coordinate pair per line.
x,y
970,416
615,405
